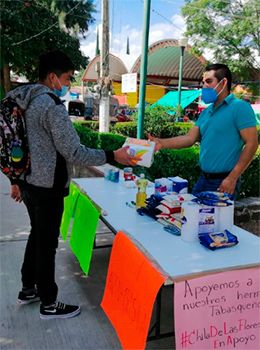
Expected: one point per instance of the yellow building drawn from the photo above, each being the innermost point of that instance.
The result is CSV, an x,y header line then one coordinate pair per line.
x,y
162,71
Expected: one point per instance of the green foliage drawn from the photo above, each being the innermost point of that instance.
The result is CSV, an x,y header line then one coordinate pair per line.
x,y
254,88
77,77
175,129
229,28
250,186
155,124
154,119
241,95
185,163
110,142
58,21
129,129
258,133
92,139
77,20
169,162
179,111
91,124
168,129
87,137
126,128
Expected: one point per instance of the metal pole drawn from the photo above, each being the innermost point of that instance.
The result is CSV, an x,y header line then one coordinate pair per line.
x,y
104,70
143,69
104,66
180,74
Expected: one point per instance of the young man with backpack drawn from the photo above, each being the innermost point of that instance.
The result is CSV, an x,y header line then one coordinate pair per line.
x,y
54,147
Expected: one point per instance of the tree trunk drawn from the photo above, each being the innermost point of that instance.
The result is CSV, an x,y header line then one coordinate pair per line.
x,y
7,80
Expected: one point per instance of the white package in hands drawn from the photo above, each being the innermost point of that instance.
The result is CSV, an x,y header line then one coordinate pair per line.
x,y
144,149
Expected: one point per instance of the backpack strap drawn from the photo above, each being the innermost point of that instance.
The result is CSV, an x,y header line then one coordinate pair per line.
x,y
55,98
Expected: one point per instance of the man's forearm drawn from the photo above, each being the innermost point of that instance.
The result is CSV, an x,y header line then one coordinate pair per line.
x,y
177,142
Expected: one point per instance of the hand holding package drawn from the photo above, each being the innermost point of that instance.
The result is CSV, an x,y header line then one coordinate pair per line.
x,y
144,149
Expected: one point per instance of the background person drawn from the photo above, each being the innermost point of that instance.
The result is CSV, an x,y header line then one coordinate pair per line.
x,y
226,131
54,147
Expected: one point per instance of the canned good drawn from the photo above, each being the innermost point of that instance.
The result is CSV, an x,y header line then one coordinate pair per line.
x,y
128,174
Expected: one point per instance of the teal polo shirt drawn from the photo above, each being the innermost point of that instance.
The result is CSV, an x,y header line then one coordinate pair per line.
x,y
221,143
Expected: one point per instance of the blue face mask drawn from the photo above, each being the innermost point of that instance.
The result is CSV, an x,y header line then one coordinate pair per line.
x,y
210,95
63,91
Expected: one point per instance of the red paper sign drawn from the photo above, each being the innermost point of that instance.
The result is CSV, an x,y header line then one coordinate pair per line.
x,y
220,311
131,288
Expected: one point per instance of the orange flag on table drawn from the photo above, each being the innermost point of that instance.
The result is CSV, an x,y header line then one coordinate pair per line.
x,y
131,288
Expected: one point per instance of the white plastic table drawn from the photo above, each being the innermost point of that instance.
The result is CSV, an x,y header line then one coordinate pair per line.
x,y
178,259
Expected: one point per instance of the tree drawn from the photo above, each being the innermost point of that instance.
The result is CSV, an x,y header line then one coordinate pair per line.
x,y
30,27
230,29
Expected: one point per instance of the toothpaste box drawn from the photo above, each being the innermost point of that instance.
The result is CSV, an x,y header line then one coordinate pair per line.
x,y
179,185
141,148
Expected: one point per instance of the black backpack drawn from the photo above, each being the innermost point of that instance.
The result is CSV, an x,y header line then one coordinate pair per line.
x,y
14,149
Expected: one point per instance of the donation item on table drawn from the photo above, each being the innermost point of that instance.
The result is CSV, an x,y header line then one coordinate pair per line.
x,y
179,185
190,219
144,149
111,174
141,195
217,199
215,219
218,240
129,178
173,185
166,209
128,174
206,218
225,217
162,185
224,208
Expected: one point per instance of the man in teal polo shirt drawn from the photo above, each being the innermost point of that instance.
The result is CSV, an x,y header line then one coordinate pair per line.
x,y
226,131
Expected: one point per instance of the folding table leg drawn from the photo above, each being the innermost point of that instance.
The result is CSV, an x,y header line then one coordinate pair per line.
x,y
95,246
157,324
158,314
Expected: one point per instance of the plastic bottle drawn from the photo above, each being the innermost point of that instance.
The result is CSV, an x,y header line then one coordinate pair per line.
x,y
141,194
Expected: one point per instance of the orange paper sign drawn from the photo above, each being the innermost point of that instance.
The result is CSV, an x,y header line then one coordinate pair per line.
x,y
131,288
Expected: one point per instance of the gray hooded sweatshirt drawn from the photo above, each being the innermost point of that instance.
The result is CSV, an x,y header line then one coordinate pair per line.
x,y
53,142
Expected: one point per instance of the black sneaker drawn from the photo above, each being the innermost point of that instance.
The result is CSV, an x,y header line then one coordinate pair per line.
x,y
28,296
58,310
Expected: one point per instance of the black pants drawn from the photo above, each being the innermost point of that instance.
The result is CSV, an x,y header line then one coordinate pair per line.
x,y
45,211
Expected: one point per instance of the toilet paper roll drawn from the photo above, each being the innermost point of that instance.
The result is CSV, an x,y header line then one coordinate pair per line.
x,y
190,220
225,218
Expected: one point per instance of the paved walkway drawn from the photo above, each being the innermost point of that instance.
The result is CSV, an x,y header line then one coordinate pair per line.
x,y
21,326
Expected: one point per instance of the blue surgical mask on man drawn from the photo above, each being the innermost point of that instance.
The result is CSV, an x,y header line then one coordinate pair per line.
x,y
63,91
210,95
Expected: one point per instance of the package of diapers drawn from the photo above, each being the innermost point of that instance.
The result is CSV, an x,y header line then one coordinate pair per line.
x,y
144,149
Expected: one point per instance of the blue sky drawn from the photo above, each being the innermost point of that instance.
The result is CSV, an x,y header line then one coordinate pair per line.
x,y
126,20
